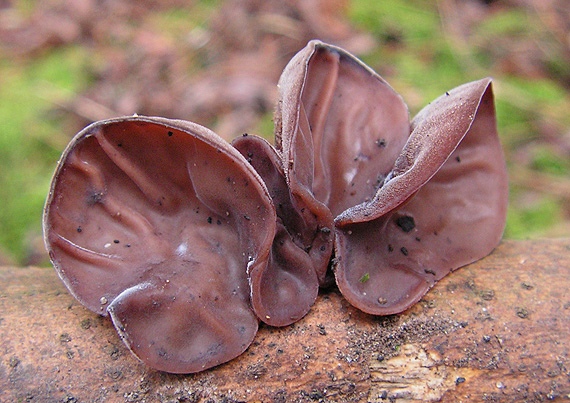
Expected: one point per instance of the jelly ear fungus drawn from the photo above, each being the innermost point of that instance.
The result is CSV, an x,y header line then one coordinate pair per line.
x,y
156,223
412,201
442,206
186,241
284,291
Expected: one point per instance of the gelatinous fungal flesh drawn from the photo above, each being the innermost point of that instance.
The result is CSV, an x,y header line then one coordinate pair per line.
x,y
156,222
287,288
186,241
412,201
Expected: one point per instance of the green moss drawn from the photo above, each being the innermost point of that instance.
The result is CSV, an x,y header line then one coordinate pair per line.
x,y
550,160
524,222
506,22
412,23
30,138
178,22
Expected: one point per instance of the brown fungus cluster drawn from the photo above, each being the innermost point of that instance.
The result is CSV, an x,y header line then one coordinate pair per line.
x,y
187,242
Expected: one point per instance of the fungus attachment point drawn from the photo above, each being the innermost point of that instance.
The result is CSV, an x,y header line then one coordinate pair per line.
x,y
285,290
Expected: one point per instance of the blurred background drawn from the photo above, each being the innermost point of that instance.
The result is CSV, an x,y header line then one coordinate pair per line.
x,y
66,63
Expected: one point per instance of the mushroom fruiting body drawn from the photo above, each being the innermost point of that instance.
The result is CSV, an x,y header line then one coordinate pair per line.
x,y
156,222
411,201
186,241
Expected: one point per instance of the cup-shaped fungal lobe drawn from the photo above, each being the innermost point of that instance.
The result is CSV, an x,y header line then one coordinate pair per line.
x,y
441,207
156,223
284,290
340,127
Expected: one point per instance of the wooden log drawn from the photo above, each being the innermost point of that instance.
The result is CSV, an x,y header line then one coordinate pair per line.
x,y
497,330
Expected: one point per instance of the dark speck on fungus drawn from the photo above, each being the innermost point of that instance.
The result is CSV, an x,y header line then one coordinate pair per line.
x,y
193,296
406,223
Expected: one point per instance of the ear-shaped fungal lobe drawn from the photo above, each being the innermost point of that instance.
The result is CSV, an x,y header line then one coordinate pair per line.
x,y
340,128
442,206
156,222
342,125
284,290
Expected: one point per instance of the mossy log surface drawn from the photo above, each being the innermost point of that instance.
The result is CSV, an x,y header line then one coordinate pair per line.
x,y
497,330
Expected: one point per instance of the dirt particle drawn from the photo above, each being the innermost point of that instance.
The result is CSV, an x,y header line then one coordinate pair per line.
x,y
522,313
322,330
85,324
170,134
406,223
487,295
527,286
380,143
64,338
382,301
459,380
113,351
404,251
209,220
13,362
431,303
255,371
114,374
94,198
486,338
390,248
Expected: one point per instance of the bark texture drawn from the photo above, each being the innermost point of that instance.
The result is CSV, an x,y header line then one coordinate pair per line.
x,y
497,330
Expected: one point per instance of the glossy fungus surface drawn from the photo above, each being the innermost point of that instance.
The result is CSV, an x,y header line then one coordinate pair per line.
x,y
442,206
186,241
412,201
156,222
285,290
